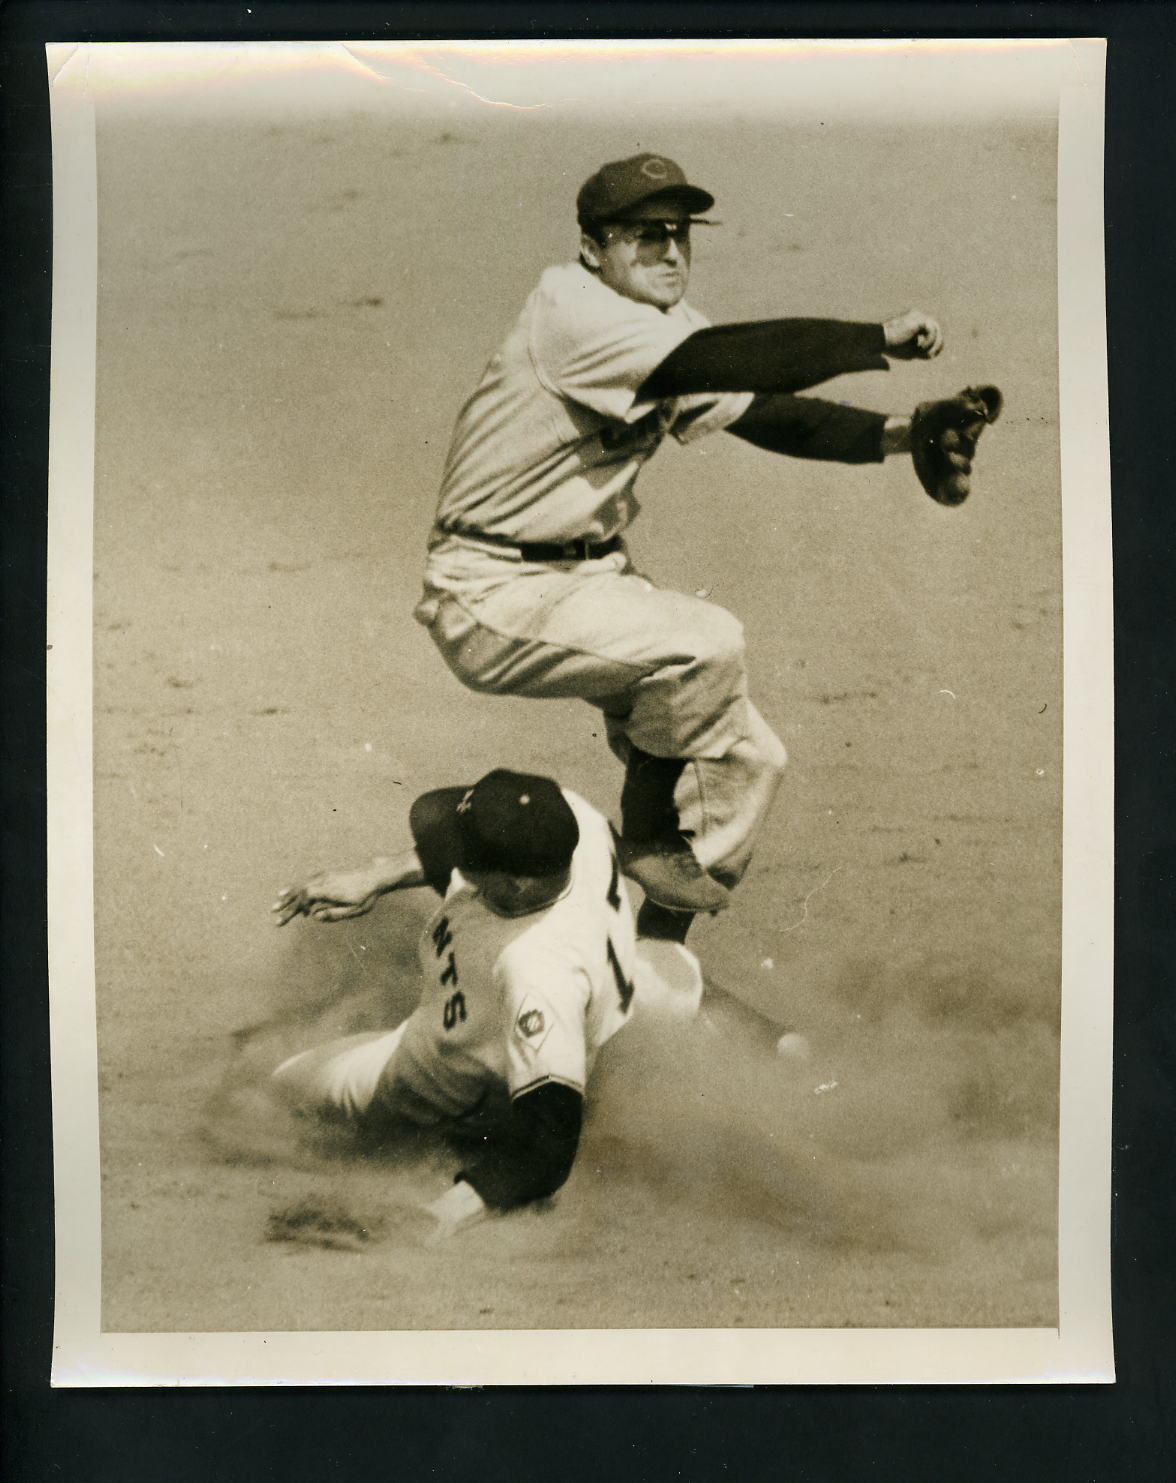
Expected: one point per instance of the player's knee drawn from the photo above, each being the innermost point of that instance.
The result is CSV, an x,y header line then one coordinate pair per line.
x,y
765,751
464,666
719,643
773,756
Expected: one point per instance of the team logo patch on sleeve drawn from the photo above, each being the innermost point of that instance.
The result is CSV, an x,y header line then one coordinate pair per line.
x,y
532,1025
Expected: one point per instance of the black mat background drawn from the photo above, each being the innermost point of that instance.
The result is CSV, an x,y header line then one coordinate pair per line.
x,y
1079,1434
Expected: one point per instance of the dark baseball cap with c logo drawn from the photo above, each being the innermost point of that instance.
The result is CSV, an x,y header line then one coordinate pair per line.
x,y
625,188
516,822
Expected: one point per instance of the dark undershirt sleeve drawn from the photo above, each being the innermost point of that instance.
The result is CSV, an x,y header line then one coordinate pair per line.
x,y
533,1152
771,355
806,427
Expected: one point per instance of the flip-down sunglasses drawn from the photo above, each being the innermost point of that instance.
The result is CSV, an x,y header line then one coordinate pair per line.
x,y
660,232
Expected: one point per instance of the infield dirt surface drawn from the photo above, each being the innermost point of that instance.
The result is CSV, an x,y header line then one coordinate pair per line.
x,y
291,311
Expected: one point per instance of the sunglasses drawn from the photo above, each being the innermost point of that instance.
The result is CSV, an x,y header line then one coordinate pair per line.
x,y
659,232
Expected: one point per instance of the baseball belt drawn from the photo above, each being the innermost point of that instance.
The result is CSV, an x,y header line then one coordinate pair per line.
x,y
546,551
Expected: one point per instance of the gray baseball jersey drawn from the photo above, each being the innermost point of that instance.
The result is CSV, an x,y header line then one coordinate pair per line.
x,y
549,445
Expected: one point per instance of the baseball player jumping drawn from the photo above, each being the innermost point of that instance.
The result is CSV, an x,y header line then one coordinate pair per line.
x,y
529,966
528,586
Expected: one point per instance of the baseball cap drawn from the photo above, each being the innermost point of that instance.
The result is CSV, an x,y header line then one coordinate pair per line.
x,y
619,188
517,822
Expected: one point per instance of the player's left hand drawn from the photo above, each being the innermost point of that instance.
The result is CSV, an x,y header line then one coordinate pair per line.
x,y
329,897
913,336
460,1206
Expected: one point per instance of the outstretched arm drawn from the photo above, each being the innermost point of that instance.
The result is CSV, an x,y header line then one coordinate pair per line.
x,y
807,427
333,895
527,1158
788,355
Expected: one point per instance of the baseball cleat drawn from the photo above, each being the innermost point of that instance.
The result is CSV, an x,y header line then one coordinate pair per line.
x,y
669,874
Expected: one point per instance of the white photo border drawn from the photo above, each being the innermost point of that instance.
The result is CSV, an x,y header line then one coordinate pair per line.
x,y
1080,1350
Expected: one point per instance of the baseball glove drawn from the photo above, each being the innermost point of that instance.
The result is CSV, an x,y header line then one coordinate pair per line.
x,y
943,440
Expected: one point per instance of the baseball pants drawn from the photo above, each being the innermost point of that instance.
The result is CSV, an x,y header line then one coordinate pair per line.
x,y
667,671
338,1080
347,1079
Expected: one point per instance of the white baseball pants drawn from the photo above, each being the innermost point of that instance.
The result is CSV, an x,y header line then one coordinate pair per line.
x,y
666,670
338,1080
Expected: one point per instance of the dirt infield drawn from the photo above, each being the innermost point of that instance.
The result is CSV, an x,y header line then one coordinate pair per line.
x,y
290,313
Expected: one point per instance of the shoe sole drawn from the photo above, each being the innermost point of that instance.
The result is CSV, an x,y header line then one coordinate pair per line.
x,y
705,895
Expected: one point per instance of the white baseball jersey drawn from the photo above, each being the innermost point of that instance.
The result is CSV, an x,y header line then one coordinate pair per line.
x,y
551,442
518,1000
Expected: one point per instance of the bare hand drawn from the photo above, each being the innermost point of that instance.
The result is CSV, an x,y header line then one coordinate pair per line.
x,y
913,336
329,897
460,1206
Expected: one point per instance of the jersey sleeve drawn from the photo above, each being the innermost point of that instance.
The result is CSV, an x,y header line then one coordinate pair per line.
x,y
595,347
544,1007
700,414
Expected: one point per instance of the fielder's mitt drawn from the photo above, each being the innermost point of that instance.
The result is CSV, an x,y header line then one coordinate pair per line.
x,y
943,440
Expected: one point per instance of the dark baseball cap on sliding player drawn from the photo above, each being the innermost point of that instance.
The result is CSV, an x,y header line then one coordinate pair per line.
x,y
635,187
516,822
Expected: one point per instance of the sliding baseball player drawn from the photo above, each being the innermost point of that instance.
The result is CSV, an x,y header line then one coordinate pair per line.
x,y
528,967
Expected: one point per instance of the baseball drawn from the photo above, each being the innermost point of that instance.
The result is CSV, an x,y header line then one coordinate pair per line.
x,y
793,1047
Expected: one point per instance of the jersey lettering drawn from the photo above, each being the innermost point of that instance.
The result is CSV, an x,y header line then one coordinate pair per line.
x,y
623,439
614,895
449,972
455,1009
442,936
624,987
